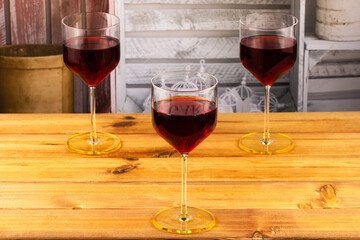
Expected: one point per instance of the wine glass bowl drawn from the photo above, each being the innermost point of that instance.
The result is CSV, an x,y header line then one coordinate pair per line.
x,y
184,117
268,49
91,50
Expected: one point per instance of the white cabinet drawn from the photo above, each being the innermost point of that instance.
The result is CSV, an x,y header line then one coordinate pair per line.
x,y
331,69
331,75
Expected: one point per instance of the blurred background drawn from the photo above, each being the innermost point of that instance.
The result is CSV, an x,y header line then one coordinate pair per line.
x,y
164,35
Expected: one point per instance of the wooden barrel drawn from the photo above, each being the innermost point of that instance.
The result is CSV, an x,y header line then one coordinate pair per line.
x,y
34,78
338,20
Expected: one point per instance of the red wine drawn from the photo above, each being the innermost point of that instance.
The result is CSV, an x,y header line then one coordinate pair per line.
x,y
184,122
92,58
268,57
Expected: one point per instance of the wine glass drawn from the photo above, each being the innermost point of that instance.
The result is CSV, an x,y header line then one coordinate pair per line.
x,y
184,116
268,49
91,49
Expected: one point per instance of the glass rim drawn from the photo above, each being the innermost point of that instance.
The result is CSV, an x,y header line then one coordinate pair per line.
x,y
89,13
187,91
296,21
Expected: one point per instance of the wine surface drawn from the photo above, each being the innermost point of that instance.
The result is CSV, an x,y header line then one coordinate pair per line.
x,y
92,58
184,122
268,57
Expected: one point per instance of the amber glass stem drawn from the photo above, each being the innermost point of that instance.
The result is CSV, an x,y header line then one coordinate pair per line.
x,y
92,111
183,212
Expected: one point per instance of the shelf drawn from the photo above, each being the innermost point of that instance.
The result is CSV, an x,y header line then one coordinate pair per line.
x,y
314,43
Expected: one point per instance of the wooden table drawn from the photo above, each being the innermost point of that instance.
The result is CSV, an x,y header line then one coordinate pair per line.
x,y
48,192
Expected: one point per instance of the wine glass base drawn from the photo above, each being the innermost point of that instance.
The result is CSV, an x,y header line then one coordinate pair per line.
x,y
199,220
105,143
279,143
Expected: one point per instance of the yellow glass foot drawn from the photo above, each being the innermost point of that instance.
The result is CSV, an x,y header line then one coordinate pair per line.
x,y
279,143
105,143
199,220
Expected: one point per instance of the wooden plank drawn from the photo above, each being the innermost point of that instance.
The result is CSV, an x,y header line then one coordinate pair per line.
x,y
314,43
223,142
182,48
339,56
333,69
2,24
97,6
205,2
60,9
332,56
27,19
49,123
116,195
209,148
187,19
136,223
352,104
305,81
103,96
324,85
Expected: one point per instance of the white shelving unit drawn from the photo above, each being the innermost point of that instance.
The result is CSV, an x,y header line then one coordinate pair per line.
x,y
159,35
329,71
313,43
164,35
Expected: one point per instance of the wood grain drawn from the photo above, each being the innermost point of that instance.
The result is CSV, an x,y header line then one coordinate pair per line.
x,y
97,6
60,9
310,193
103,96
125,224
27,19
2,24
239,195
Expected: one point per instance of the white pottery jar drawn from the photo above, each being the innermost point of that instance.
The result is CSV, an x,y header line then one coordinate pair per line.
x,y
338,20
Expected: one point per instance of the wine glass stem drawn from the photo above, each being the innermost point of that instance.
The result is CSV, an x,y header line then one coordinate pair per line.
x,y
184,213
92,111
266,135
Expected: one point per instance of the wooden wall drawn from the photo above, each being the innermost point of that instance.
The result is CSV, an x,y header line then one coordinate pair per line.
x,y
2,24
39,21
162,35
